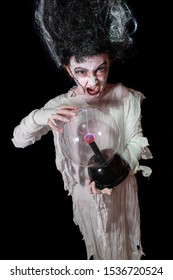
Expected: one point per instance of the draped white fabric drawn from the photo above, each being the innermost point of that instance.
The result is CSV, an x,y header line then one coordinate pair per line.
x,y
110,225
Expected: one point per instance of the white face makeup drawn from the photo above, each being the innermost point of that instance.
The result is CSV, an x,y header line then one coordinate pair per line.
x,y
91,74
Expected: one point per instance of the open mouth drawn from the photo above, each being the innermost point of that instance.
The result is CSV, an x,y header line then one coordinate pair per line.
x,y
93,91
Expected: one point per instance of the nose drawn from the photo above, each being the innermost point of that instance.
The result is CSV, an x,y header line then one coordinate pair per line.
x,y
92,81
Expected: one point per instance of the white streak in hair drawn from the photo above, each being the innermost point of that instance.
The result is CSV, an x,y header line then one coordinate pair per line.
x,y
120,16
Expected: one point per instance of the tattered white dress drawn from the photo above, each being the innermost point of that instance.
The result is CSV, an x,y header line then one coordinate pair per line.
x,y
110,225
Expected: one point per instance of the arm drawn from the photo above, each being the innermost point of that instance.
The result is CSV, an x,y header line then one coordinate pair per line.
x,y
28,131
136,143
39,122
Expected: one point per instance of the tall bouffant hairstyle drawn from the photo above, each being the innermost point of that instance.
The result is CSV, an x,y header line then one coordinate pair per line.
x,y
83,28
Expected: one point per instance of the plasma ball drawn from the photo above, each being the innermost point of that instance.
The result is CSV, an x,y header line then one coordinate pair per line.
x,y
89,138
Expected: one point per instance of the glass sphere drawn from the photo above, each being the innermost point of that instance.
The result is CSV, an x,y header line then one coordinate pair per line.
x,y
92,132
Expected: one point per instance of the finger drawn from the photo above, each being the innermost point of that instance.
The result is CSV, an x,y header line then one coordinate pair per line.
x,y
91,187
63,115
107,191
68,108
54,126
64,110
94,190
57,117
51,121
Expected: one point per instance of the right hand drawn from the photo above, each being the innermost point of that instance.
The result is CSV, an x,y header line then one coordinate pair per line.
x,y
52,116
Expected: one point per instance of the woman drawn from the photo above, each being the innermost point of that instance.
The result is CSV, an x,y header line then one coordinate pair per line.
x,y
84,39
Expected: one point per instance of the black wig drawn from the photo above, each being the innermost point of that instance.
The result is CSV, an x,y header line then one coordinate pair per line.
x,y
83,28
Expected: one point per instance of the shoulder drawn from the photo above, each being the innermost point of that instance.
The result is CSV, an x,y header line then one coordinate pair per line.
x,y
59,100
125,94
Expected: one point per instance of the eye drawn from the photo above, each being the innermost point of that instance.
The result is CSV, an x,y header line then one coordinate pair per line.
x,y
81,72
102,69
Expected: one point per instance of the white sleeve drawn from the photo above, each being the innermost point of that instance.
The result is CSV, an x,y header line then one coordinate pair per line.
x,y
136,143
27,132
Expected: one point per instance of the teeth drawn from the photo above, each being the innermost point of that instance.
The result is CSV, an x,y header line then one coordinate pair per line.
x,y
93,91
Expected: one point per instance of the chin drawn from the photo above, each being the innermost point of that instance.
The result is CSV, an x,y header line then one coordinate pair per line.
x,y
98,95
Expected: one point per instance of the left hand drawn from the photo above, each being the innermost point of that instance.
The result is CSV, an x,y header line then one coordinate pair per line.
x,y
107,191
93,190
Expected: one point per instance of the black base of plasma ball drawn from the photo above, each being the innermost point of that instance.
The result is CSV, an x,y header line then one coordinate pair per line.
x,y
108,174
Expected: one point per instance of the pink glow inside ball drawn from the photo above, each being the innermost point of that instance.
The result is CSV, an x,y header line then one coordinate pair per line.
x,y
91,124
89,138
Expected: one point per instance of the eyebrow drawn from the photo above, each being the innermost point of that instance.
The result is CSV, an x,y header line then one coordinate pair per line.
x,y
102,64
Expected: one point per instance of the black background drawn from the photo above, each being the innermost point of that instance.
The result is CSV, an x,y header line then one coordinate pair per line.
x,y
36,213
